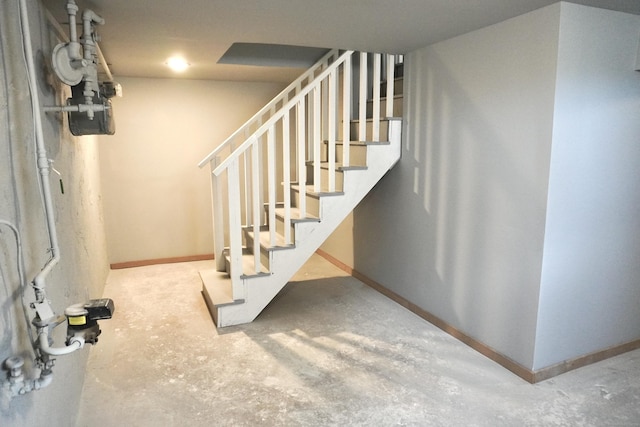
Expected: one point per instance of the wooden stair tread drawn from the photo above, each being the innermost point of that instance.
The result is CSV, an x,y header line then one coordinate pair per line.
x,y
248,269
339,166
265,240
295,215
322,193
384,98
216,286
247,263
367,143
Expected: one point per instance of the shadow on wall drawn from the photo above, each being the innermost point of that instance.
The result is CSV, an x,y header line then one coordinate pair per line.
x,y
453,227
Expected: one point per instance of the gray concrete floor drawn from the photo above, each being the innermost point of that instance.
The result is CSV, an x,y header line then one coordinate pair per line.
x,y
328,351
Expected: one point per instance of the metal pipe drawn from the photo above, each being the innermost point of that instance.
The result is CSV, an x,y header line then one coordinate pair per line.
x,y
90,16
42,160
63,37
46,377
17,385
91,71
72,10
75,343
74,46
76,108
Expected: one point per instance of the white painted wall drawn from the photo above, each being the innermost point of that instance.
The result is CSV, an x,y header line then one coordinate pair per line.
x,y
340,243
590,293
157,202
457,226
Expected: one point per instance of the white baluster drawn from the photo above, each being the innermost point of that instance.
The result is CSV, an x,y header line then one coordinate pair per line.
x,y
317,139
235,230
376,97
346,112
362,102
390,83
255,162
271,182
331,125
302,171
247,186
218,217
286,177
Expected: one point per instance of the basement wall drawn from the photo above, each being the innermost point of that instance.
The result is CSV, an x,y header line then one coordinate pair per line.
x,y
590,292
157,202
82,270
457,227
513,215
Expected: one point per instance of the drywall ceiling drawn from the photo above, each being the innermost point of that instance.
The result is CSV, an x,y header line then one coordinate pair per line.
x,y
139,35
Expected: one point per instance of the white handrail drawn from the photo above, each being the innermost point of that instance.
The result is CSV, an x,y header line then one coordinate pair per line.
x,y
278,115
296,84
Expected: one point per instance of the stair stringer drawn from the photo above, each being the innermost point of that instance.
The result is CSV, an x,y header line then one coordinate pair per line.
x,y
260,290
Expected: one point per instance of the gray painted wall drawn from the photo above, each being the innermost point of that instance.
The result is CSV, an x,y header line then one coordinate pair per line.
x,y
519,181
590,293
83,269
457,227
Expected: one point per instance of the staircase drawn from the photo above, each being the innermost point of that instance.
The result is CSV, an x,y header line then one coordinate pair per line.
x,y
287,178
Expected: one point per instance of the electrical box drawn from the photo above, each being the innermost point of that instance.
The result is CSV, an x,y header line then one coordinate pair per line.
x,y
102,122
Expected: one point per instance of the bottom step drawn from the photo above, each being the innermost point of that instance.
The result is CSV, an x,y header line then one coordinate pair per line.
x,y
217,291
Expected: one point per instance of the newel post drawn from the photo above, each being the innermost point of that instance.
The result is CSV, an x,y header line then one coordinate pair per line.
x,y
218,217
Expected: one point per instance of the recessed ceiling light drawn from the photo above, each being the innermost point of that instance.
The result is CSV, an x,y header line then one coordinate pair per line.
x,y
177,64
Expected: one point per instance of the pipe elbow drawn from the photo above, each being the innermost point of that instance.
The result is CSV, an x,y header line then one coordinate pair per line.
x,y
76,343
46,378
90,15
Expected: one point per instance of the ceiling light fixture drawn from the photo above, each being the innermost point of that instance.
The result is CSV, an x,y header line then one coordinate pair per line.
x,y
177,64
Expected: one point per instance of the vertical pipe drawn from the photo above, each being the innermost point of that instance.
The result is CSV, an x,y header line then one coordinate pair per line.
x,y
72,10
42,159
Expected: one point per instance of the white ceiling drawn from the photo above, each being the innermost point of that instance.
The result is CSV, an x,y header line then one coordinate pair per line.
x,y
139,35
